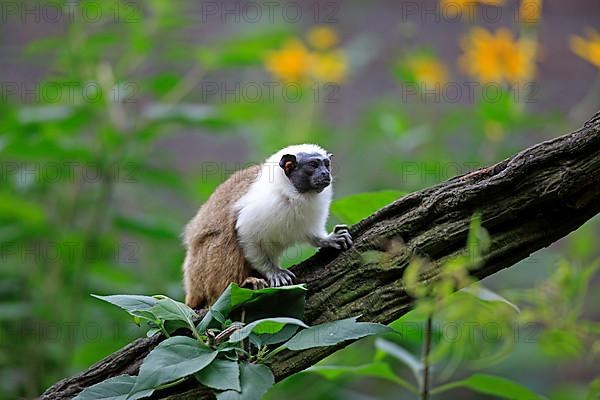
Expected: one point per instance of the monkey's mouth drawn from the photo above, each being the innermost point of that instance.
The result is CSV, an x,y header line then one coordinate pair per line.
x,y
321,183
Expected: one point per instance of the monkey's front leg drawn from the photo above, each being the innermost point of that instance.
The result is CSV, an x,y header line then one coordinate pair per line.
x,y
260,260
339,239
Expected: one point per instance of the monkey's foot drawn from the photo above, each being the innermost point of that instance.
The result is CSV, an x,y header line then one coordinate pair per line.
x,y
254,283
280,277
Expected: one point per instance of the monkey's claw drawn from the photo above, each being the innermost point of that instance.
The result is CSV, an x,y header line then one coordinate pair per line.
x,y
341,228
341,238
254,283
280,277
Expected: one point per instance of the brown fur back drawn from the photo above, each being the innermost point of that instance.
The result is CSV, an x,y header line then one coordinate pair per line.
x,y
214,258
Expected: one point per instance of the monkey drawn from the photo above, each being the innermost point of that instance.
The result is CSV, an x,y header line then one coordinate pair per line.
x,y
239,233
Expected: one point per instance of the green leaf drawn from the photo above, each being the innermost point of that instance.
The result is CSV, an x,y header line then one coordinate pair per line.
x,y
279,337
160,84
332,333
221,307
149,227
221,375
152,331
170,310
352,209
172,359
218,316
116,388
559,342
594,390
499,108
138,306
245,296
286,301
172,326
18,209
267,326
242,51
162,179
492,385
375,370
255,380
478,239
402,355
487,295
44,45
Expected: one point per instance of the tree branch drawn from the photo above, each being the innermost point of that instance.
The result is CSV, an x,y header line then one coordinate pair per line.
x,y
526,202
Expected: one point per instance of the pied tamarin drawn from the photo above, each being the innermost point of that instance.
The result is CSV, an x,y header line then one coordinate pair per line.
x,y
243,228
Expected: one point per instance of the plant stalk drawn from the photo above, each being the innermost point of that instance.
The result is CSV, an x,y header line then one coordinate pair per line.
x,y
425,358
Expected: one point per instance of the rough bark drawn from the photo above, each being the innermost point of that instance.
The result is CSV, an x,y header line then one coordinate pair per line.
x,y
526,202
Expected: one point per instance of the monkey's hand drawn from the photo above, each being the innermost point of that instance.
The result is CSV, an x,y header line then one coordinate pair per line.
x,y
339,239
280,277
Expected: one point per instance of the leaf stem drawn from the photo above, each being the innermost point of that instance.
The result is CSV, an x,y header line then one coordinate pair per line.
x,y
194,331
171,384
262,352
161,324
246,342
425,358
273,352
446,387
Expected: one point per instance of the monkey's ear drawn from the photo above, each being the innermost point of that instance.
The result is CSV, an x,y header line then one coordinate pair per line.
x,y
288,163
329,155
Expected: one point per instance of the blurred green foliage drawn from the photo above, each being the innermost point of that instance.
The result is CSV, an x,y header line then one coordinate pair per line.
x,y
92,201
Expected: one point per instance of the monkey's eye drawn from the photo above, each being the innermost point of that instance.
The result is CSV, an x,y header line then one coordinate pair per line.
x,y
326,162
314,164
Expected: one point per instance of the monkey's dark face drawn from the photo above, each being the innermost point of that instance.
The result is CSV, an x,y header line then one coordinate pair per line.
x,y
307,172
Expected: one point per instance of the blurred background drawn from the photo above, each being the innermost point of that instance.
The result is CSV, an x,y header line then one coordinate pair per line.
x,y
119,118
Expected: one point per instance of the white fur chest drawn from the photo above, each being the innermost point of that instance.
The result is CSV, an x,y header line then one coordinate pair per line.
x,y
276,216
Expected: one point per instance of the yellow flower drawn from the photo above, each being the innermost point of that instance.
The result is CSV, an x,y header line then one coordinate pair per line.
x,y
428,71
452,8
330,66
295,63
291,63
530,11
497,57
588,49
322,38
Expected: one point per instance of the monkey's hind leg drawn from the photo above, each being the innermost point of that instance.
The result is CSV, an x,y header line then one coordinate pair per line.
x,y
254,283
195,301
